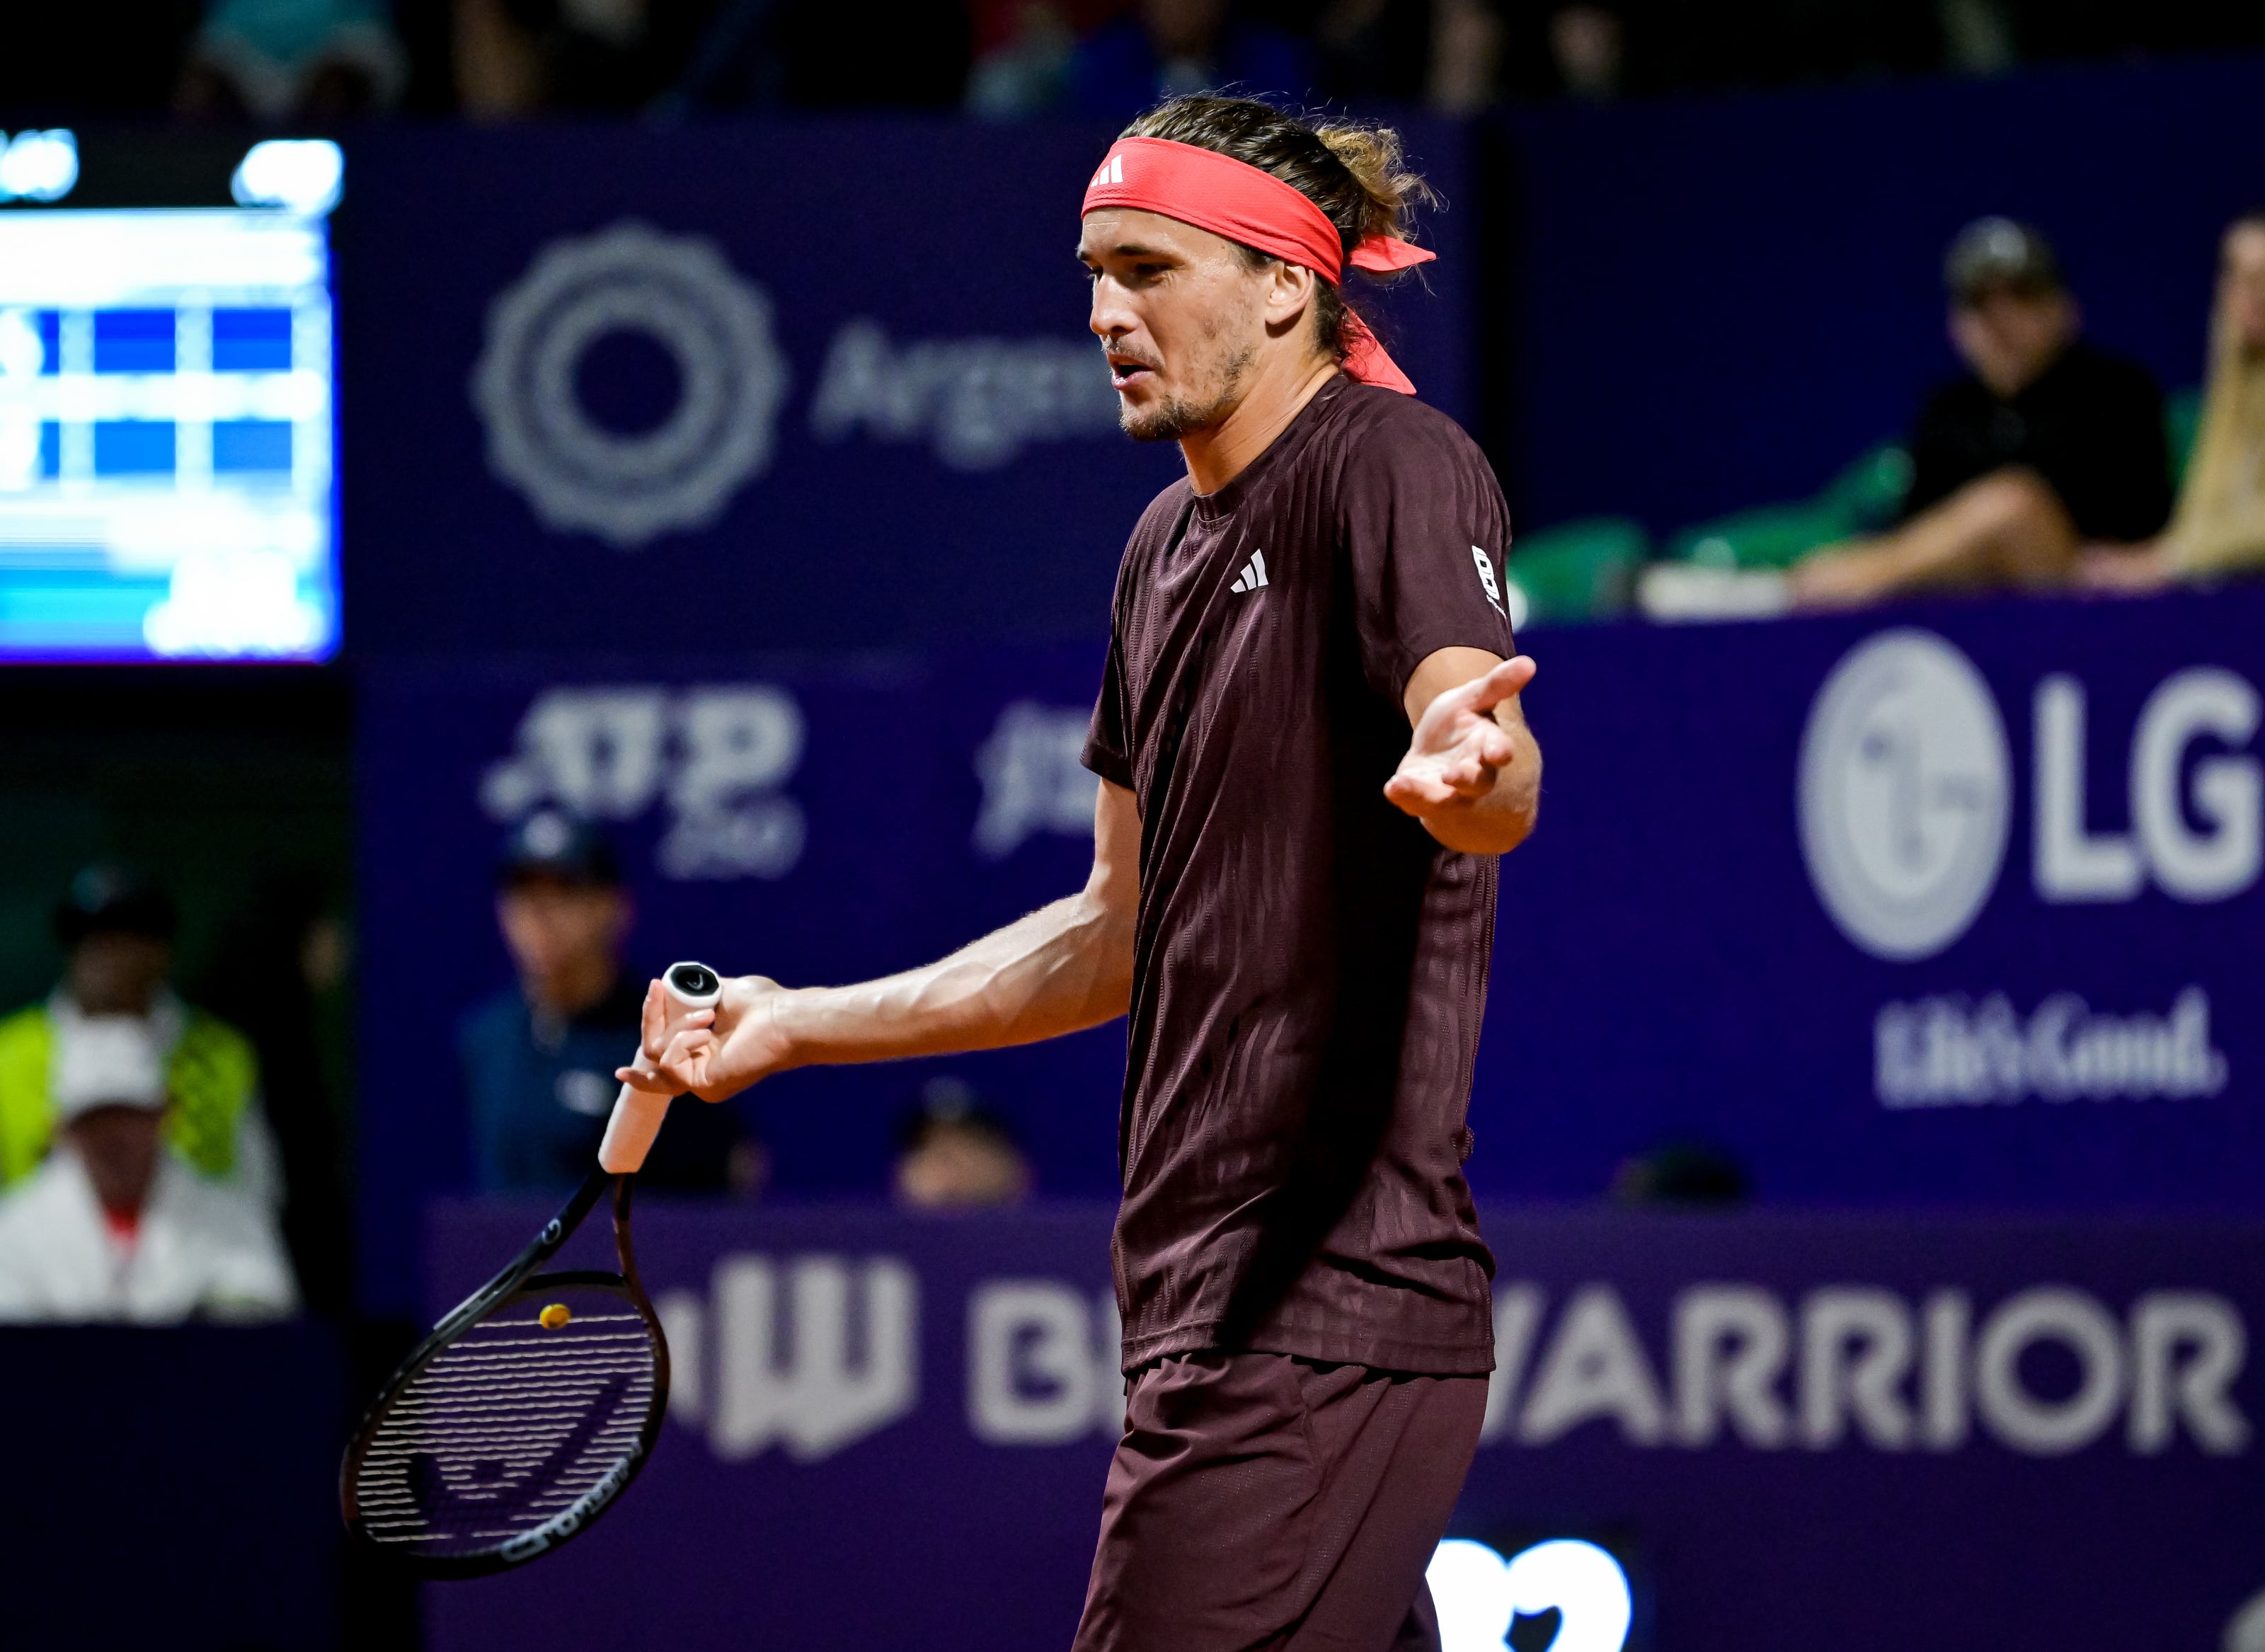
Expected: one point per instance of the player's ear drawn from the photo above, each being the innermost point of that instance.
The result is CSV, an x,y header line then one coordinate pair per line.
x,y
1289,295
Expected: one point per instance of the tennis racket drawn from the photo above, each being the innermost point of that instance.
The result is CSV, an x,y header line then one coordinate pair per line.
x,y
535,1401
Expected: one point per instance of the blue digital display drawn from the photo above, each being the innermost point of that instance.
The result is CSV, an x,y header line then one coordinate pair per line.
x,y
166,451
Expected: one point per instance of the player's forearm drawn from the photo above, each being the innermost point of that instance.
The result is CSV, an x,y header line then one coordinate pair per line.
x,y
1501,820
1065,967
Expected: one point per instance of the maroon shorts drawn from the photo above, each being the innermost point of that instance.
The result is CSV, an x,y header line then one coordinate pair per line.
x,y
1259,1501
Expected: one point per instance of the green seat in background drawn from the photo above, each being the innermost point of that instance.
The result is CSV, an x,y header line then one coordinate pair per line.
x,y
1866,498
1863,499
1579,571
2181,424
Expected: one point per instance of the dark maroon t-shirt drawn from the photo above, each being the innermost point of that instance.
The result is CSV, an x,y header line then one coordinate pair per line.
x,y
1311,966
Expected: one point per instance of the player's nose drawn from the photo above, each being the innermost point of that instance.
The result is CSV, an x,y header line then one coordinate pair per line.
x,y
1109,318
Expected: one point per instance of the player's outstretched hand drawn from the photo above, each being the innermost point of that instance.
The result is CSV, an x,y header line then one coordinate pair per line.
x,y
1458,748
711,1054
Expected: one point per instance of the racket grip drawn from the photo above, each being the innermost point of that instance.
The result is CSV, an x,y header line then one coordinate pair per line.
x,y
638,1113
636,1120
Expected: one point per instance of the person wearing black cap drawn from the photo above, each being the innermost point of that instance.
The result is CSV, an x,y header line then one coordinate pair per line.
x,y
117,929
538,1058
2045,446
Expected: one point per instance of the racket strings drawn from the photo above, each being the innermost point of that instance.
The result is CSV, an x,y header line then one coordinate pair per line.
x,y
505,1428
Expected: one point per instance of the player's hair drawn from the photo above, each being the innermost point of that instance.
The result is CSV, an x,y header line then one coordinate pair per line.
x,y
1355,173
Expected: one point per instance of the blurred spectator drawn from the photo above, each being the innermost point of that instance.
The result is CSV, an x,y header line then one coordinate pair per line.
x,y
114,1225
680,57
280,972
1381,50
516,57
2219,527
117,935
1023,53
955,1153
279,59
1165,49
539,1058
1467,40
1588,45
2046,444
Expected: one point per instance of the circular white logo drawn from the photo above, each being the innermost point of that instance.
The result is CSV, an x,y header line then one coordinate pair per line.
x,y
677,291
1904,794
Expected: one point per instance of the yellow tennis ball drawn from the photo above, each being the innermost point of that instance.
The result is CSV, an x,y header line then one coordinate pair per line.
x,y
554,1316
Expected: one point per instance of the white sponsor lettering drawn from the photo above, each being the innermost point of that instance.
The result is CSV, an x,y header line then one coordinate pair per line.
x,y
2221,858
1904,793
714,757
1033,778
1949,1051
1870,1369
814,1369
1594,1368
1042,1366
976,402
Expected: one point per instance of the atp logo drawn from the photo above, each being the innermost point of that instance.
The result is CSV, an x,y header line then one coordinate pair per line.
x,y
681,293
716,758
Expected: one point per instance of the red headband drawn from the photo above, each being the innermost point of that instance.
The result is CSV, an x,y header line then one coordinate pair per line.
x,y
1244,203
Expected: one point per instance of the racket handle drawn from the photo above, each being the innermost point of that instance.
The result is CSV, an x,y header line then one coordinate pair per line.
x,y
638,1114
636,1120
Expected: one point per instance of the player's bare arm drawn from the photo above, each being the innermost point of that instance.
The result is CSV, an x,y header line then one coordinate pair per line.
x,y
1473,771
1065,967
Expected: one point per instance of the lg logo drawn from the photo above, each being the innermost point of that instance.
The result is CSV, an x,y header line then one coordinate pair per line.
x,y
1906,791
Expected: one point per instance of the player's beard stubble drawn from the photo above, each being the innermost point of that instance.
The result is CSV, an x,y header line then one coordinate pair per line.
x,y
1175,415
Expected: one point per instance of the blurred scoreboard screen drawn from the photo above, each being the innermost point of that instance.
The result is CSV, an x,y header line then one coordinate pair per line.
x,y
166,436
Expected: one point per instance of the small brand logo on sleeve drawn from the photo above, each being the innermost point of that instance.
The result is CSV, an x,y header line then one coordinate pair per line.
x,y
1253,574
1486,577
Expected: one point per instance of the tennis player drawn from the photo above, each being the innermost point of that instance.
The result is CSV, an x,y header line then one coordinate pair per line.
x,y
1311,753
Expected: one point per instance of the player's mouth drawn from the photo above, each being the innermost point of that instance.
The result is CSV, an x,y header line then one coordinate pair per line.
x,y
1125,371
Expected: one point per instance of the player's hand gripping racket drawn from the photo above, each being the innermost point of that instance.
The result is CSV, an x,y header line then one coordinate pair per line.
x,y
536,1400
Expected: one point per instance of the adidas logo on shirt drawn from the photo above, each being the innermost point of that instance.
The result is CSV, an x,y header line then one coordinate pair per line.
x,y
1253,574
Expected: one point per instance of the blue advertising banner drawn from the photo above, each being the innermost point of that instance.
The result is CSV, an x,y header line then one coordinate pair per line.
x,y
1765,1434
821,384
1959,905
1956,906
815,822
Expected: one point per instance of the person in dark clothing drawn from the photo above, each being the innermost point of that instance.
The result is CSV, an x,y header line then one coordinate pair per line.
x,y
2048,445
537,1057
1161,48
1311,755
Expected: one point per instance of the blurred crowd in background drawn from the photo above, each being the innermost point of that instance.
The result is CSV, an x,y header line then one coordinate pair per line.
x,y
303,60
162,1163
2049,465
